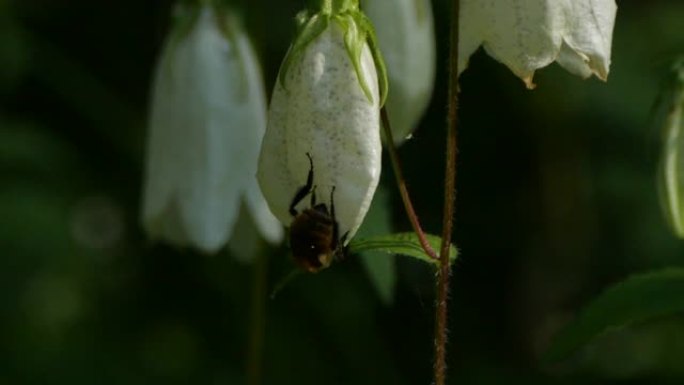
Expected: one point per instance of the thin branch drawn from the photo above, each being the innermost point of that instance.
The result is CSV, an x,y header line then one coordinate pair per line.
x,y
444,271
403,191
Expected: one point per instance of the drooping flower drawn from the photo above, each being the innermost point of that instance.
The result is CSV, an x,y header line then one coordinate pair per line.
x,y
527,35
208,116
406,36
671,167
324,122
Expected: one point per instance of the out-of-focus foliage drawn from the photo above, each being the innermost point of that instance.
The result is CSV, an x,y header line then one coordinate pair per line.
x,y
556,201
638,299
380,266
670,121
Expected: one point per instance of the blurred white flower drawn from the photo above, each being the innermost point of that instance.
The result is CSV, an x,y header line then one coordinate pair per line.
x,y
207,120
324,122
527,35
406,38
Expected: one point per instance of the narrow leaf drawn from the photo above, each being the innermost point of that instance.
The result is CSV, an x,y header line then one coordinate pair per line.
x,y
401,243
636,299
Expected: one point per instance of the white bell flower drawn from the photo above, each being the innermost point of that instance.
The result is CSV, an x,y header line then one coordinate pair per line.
x,y
405,32
324,122
208,117
527,35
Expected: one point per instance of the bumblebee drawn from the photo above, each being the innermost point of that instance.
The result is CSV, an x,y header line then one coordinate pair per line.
x,y
314,233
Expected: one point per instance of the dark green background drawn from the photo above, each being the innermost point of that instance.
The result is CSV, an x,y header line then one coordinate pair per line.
x,y
556,200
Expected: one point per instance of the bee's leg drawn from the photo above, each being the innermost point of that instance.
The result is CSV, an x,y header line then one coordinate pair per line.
x,y
341,252
304,190
313,196
336,228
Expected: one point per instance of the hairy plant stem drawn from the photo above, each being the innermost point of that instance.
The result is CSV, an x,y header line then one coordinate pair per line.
x,y
257,320
401,183
444,271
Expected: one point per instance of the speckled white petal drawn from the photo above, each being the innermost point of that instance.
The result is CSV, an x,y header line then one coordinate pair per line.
x,y
573,62
324,112
200,123
405,33
530,34
592,39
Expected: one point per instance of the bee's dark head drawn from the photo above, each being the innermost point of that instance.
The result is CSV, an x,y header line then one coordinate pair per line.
x,y
312,240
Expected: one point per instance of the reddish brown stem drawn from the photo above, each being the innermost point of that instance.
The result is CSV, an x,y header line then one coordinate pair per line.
x,y
444,270
403,191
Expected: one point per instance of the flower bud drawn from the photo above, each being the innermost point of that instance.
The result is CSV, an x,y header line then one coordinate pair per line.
x,y
207,120
671,168
406,36
324,124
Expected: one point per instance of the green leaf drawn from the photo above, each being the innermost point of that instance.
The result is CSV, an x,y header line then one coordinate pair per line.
x,y
636,299
402,243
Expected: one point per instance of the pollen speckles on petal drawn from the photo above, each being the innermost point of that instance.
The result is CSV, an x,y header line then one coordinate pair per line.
x,y
323,111
527,35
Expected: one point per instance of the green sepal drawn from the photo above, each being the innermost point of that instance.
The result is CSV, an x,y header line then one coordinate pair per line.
x,y
404,244
331,7
308,31
301,19
230,27
186,15
184,18
354,40
341,6
380,67
358,31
